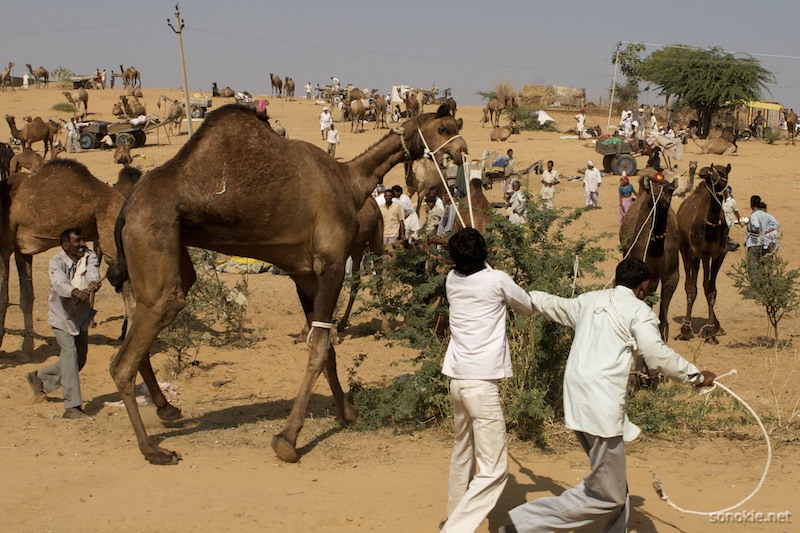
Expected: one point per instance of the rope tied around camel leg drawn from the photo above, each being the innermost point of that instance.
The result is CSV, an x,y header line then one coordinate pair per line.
x,y
659,487
323,325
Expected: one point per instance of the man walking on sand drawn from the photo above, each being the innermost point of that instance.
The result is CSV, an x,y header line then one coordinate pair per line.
x,y
74,276
610,325
333,140
591,185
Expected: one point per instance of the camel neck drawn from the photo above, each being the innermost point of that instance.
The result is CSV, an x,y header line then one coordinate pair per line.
x,y
369,168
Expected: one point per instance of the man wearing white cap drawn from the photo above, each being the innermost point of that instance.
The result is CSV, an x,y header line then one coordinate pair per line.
x,y
325,121
591,185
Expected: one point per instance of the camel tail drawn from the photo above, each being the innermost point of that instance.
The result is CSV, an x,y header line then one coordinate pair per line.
x,y
117,272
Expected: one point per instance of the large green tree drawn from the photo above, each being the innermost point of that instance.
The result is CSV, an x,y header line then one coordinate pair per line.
x,y
628,60
706,80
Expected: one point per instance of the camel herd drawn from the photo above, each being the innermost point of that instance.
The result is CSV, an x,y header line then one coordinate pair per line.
x,y
225,190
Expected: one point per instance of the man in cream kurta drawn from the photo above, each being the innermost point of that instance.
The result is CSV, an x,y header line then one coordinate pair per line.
x,y
608,324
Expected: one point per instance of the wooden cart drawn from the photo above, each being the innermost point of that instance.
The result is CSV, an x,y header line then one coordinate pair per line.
x,y
618,157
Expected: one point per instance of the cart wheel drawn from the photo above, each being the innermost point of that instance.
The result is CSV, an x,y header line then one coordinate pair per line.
x,y
198,112
608,162
126,138
139,138
87,141
624,163
337,99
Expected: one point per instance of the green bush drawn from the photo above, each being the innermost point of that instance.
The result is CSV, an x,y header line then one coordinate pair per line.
x,y
771,284
537,255
63,106
60,73
213,314
525,119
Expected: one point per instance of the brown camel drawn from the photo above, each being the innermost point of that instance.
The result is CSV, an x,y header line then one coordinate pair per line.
x,y
122,153
357,114
135,91
130,77
226,191
6,80
649,232
421,177
493,108
499,134
412,104
32,161
717,146
6,155
289,88
131,106
126,179
41,75
703,235
83,201
380,113
370,235
35,131
451,105
791,124
175,114
354,94
277,84
481,208
227,92
81,97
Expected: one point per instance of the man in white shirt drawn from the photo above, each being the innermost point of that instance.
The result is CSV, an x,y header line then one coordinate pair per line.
x,y
477,358
333,140
433,215
308,91
732,217
548,190
609,325
325,121
591,185
759,224
402,198
518,205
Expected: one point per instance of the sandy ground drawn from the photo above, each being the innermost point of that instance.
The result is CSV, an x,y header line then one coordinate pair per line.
x,y
62,476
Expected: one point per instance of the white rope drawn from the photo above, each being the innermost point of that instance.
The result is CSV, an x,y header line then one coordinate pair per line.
x,y
652,214
430,154
320,325
657,483
469,189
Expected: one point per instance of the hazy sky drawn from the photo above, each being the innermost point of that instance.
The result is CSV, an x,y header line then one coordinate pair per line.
x,y
467,45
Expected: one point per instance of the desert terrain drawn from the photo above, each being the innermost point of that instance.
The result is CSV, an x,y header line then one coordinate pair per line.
x,y
88,476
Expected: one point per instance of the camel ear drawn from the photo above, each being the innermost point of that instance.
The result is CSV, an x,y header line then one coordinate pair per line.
x,y
643,181
460,123
728,169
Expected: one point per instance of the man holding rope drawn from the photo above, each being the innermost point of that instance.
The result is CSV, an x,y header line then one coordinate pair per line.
x,y
610,326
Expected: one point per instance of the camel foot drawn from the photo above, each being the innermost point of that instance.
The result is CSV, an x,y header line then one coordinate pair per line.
x,y
162,457
685,334
284,449
169,413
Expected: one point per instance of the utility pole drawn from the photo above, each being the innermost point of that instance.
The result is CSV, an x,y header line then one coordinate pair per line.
x,y
613,86
179,31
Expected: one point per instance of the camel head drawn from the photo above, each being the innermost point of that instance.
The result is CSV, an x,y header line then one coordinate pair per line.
x,y
658,188
441,134
30,68
715,176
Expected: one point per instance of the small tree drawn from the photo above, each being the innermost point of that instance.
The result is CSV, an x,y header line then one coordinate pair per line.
x,y
61,74
771,284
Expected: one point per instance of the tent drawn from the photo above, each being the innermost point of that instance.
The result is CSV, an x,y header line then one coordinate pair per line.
x,y
770,110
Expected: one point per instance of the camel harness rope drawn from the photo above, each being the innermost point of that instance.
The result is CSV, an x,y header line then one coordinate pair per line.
x,y
652,214
660,489
430,154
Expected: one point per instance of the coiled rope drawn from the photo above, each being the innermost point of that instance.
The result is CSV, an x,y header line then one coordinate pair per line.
x,y
657,485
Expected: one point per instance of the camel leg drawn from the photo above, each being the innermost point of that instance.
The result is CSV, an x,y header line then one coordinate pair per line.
x,y
164,409
130,305
712,329
25,271
691,266
318,297
168,278
668,287
5,258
